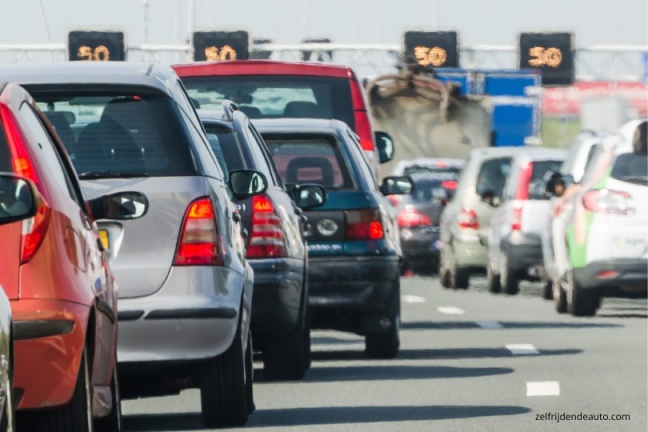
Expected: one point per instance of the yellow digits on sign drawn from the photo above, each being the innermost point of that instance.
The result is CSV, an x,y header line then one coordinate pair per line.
x,y
435,56
101,53
84,52
228,53
551,57
211,54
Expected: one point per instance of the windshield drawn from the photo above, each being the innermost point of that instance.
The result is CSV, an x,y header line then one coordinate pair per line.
x,y
631,168
538,181
276,96
114,134
492,176
310,160
225,145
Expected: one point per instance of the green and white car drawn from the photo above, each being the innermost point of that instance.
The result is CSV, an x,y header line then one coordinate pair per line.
x,y
604,249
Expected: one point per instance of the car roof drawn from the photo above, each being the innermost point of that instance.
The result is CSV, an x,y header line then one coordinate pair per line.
x,y
490,152
540,154
261,67
431,162
83,72
213,116
422,177
300,125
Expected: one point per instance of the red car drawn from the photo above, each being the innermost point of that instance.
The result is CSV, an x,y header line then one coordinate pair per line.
x,y
271,89
55,273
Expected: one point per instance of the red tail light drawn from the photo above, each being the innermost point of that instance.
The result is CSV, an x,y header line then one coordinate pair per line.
x,y
267,237
409,217
516,219
394,199
199,237
468,219
522,192
608,201
361,117
449,184
34,230
363,225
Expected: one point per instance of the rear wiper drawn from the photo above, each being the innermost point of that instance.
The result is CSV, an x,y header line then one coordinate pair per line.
x,y
111,174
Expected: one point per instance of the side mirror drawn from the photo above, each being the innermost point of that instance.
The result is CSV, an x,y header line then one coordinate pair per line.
x,y
385,146
397,185
119,206
18,199
247,183
490,198
307,196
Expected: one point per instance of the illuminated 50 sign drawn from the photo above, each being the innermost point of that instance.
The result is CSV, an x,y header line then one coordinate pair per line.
x,y
96,46
552,53
221,45
433,48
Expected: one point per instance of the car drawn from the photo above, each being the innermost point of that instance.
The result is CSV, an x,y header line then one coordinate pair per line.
x,y
578,160
185,288
428,165
17,203
465,221
353,242
274,89
605,241
418,219
276,249
514,238
58,279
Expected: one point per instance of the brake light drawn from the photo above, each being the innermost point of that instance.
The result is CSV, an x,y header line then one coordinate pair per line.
x,y
33,231
199,237
363,225
607,274
266,237
522,192
608,201
468,219
449,184
516,217
409,217
394,199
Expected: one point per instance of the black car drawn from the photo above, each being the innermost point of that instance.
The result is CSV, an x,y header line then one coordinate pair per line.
x,y
418,220
353,244
275,246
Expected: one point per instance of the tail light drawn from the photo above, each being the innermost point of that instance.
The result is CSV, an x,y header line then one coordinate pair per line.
x,y
394,199
608,201
526,170
363,225
199,237
409,217
266,237
468,219
362,124
34,228
449,184
516,217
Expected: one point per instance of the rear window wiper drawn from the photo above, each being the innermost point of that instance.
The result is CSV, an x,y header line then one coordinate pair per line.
x,y
111,174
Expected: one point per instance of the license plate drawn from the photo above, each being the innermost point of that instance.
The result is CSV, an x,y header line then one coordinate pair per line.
x,y
105,239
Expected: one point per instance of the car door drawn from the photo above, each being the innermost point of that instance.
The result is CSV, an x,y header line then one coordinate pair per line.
x,y
83,248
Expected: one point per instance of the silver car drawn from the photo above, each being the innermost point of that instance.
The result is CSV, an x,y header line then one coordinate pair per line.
x,y
185,288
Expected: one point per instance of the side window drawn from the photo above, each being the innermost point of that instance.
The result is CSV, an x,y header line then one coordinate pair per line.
x,y
261,144
358,155
258,155
201,145
48,152
510,185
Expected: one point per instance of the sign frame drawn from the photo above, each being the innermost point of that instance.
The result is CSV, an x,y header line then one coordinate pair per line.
x,y
553,81
248,47
124,46
435,30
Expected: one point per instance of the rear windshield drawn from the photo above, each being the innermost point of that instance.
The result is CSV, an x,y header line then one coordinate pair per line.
x,y
310,160
631,168
226,146
116,134
416,169
539,176
492,175
276,96
432,190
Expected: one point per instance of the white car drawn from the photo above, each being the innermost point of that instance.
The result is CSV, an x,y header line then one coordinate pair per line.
x,y
605,241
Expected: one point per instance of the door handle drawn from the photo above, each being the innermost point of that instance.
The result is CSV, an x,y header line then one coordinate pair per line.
x,y
236,217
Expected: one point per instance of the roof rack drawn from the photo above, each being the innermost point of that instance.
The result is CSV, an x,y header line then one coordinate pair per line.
x,y
228,108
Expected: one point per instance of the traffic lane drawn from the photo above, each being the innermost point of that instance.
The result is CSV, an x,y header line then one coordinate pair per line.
x,y
597,364
451,373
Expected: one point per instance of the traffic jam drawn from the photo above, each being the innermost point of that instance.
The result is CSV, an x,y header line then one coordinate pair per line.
x,y
238,241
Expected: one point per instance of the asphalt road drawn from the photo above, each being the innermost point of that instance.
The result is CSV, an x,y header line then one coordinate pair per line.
x,y
469,361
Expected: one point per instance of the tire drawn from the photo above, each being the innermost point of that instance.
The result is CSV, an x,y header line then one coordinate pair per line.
x,y
386,345
8,423
580,303
444,274
76,416
249,376
492,280
113,421
223,393
547,289
459,278
286,358
559,297
508,279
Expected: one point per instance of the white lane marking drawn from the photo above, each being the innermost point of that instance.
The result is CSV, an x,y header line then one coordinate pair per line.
x,y
450,310
407,298
489,325
522,349
543,388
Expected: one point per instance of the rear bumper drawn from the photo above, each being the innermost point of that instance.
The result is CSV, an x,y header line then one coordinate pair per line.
x,y
524,253
420,244
192,317
352,282
620,277
49,337
470,251
278,286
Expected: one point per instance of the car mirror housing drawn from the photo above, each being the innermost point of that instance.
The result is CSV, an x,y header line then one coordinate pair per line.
x,y
307,196
119,206
385,146
397,185
18,199
247,183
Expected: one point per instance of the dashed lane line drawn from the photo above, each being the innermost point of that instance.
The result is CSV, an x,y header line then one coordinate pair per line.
x,y
522,349
408,298
451,310
543,388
